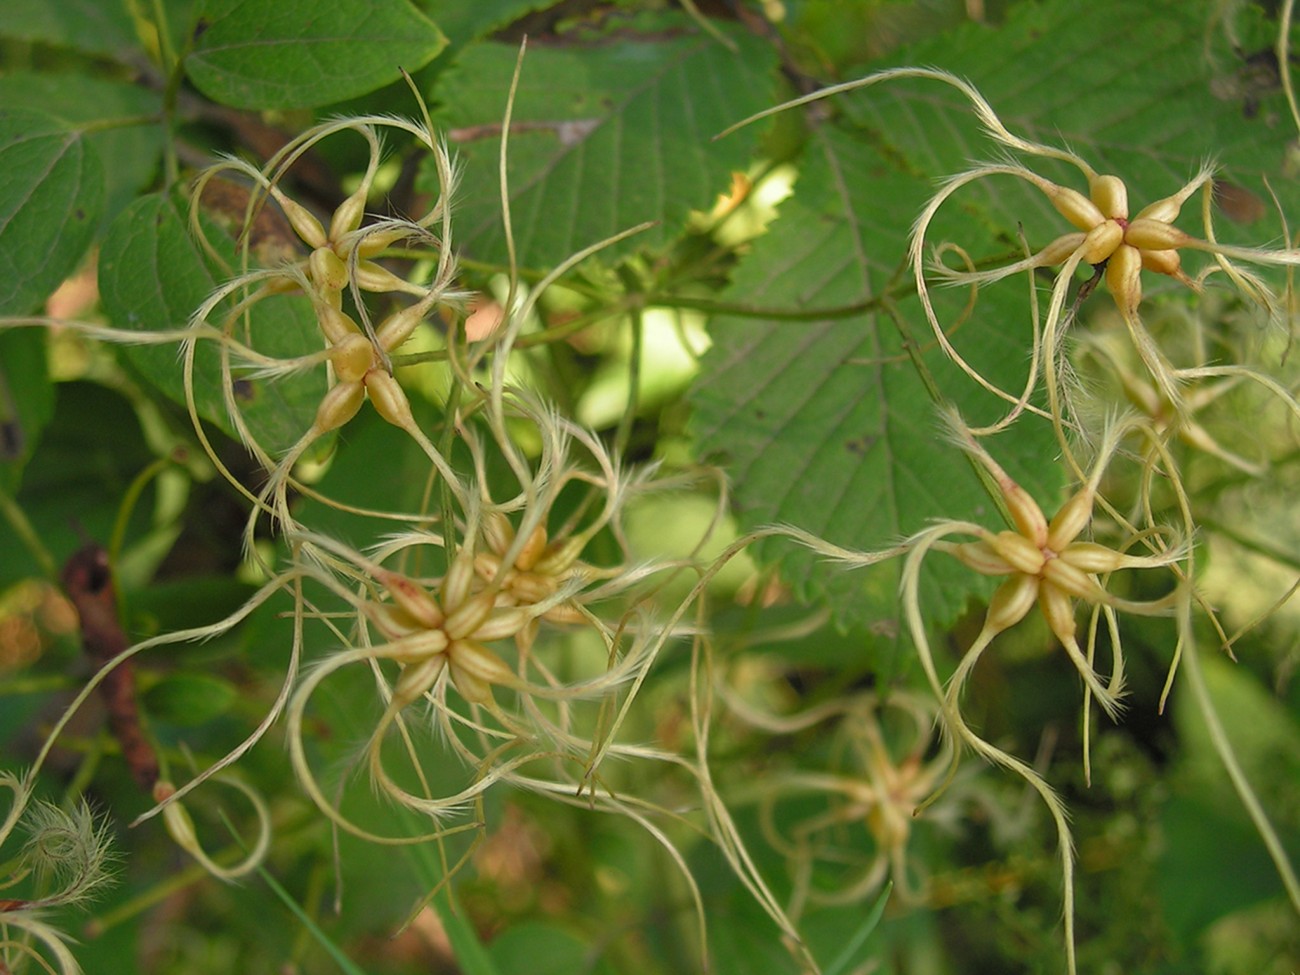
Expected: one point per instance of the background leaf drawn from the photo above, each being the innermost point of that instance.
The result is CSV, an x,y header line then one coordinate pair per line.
x,y
86,25
1151,110
465,22
825,423
189,698
604,138
152,276
850,452
88,455
51,191
128,151
26,400
300,53
545,949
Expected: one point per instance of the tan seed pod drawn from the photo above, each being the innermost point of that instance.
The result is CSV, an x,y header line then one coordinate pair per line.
x,y
335,325
1019,552
326,270
1165,211
983,558
389,400
1123,277
466,618
397,327
1073,205
1111,196
1091,557
471,657
487,565
1070,520
304,224
373,277
533,549
1025,513
1058,609
460,575
1165,262
352,358
503,623
1102,241
412,598
1059,573
380,240
1059,250
498,532
339,405
532,588
416,679
347,216
472,688
560,556
418,646
1154,235
1010,603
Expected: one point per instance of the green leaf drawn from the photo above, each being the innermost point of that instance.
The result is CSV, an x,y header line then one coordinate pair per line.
x,y
300,53
189,699
51,191
153,275
783,403
824,423
603,138
337,955
471,956
1264,734
372,444
854,945
543,948
93,26
1150,110
465,22
128,146
26,400
182,591
743,940
1196,890
90,452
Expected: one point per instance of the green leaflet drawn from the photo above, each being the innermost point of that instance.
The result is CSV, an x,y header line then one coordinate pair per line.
x,y
825,423
153,276
300,53
465,22
129,152
821,423
51,192
93,26
89,450
26,400
603,138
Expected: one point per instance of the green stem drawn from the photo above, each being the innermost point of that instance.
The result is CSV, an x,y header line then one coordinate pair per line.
x,y
26,533
1219,739
110,124
448,439
624,432
165,51
173,65
127,507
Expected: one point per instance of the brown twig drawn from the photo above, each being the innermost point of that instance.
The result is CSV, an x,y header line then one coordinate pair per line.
x,y
88,581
